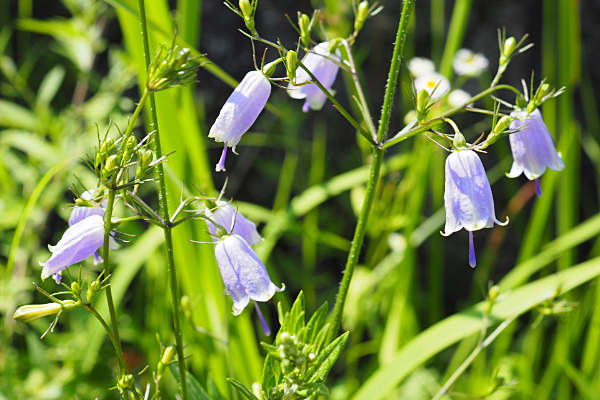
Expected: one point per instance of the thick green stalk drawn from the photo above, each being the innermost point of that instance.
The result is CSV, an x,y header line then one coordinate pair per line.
x,y
361,225
162,198
106,253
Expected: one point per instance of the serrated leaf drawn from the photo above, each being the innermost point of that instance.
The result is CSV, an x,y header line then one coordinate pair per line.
x,y
316,323
247,393
312,389
271,374
327,359
194,388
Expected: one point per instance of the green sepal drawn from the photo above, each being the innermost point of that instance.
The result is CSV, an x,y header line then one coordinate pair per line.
x,y
247,393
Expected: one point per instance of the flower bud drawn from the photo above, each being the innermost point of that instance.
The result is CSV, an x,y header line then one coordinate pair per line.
x,y
542,92
112,163
35,311
165,360
361,15
269,69
107,146
291,60
521,102
304,24
509,48
493,293
422,102
247,12
459,140
502,124
210,204
76,287
126,381
531,107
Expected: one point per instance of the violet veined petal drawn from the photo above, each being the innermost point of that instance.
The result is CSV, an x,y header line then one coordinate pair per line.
x,y
241,109
532,148
468,196
320,63
244,274
225,214
78,243
79,213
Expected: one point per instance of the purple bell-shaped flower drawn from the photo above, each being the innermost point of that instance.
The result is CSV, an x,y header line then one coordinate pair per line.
x,y
320,63
468,196
78,243
240,111
243,273
225,215
533,148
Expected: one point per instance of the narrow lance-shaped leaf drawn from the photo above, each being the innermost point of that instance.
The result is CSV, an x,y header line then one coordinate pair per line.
x,y
327,359
247,393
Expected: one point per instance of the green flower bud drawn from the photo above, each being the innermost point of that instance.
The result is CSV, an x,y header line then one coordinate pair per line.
x,y
112,163
35,311
126,381
493,293
459,141
531,107
76,287
509,46
147,158
165,360
210,204
247,12
361,15
423,98
69,305
502,124
291,60
269,69
107,146
221,231
542,92
304,24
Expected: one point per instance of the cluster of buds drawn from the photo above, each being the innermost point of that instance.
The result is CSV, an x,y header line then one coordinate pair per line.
x,y
509,47
171,67
246,10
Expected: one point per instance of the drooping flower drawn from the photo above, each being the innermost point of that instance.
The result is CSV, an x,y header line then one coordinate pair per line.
x,y
240,111
78,243
430,81
468,63
467,196
320,63
225,215
458,98
532,148
419,66
243,273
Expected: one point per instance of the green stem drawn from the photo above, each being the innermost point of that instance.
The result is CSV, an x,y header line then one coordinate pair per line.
x,y
361,225
106,251
427,124
162,198
115,342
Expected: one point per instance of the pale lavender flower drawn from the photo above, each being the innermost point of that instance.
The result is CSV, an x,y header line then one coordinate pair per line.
x,y
320,63
225,215
532,148
468,197
78,243
240,111
243,273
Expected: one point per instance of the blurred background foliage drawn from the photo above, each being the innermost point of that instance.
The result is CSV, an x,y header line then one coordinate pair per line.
x,y
68,68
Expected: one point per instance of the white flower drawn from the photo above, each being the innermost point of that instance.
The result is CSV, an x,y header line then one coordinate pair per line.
x,y
468,63
419,66
458,98
430,81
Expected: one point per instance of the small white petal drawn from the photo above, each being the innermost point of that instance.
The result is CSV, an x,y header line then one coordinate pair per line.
x,y
429,83
419,66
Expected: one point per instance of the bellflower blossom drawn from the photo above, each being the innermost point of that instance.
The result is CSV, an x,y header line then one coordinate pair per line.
x,y
533,148
419,66
468,197
320,63
468,63
225,215
78,243
240,111
430,81
243,273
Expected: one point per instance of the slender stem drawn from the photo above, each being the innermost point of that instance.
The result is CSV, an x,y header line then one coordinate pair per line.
x,y
361,225
392,81
427,124
162,198
106,253
114,341
444,389
337,104
359,90
135,115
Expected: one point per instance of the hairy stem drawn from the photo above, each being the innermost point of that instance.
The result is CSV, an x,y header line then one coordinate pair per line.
x,y
361,225
162,198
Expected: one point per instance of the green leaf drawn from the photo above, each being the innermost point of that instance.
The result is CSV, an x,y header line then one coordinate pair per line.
x,y
312,389
247,393
327,359
14,116
316,323
213,391
195,389
271,374
295,319
49,86
459,326
321,338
